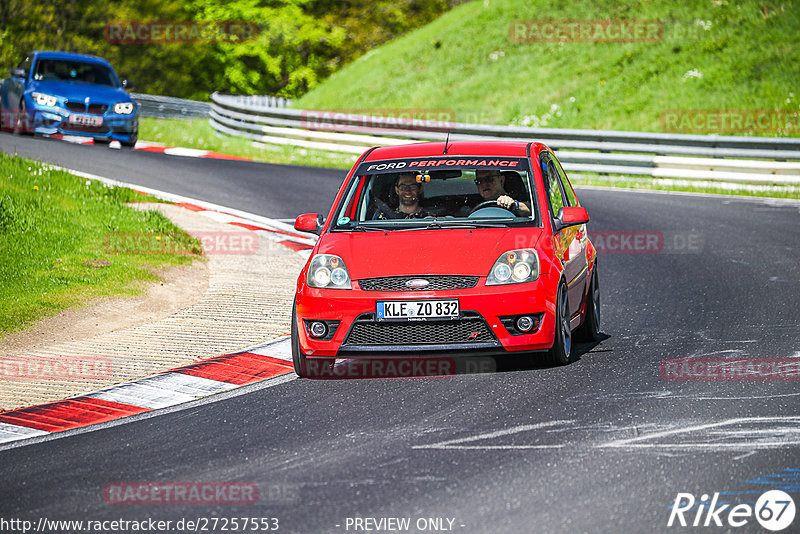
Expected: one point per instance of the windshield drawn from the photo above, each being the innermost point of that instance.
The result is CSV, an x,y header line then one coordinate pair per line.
x,y
438,192
74,71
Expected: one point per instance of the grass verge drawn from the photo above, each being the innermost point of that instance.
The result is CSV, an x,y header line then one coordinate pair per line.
x,y
473,65
55,230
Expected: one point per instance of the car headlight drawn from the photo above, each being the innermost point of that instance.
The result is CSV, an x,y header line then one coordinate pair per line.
x,y
328,271
514,267
44,100
123,108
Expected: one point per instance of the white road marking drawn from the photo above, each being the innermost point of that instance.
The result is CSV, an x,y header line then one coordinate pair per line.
x,y
195,386
454,443
280,348
9,432
190,152
138,394
785,436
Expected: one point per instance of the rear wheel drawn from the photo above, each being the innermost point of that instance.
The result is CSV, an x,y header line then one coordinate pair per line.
x,y
590,329
298,358
561,351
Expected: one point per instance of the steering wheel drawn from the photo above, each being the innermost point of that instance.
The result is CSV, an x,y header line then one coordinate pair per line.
x,y
492,204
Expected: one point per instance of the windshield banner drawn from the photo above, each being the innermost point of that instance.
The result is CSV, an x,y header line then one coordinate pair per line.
x,y
427,164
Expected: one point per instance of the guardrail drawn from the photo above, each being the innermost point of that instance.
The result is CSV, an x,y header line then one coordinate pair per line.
x,y
710,157
167,107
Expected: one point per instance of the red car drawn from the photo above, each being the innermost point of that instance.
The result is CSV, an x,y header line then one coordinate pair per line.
x,y
463,248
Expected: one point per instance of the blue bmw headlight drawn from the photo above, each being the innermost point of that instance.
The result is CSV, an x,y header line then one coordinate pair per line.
x,y
123,108
44,100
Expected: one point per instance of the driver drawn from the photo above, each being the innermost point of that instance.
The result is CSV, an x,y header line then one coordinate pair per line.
x,y
490,186
409,191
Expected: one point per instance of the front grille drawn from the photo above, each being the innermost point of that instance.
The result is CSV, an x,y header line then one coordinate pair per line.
x,y
80,107
458,331
97,109
436,283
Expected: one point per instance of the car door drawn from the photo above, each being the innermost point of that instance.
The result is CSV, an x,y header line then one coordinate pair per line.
x,y
16,85
570,242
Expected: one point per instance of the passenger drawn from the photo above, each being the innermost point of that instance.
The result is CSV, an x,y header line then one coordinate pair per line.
x,y
490,186
45,71
409,192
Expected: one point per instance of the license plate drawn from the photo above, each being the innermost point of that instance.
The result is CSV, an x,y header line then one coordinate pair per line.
x,y
86,120
417,309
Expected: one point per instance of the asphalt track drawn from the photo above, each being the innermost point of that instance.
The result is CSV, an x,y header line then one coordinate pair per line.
x,y
602,445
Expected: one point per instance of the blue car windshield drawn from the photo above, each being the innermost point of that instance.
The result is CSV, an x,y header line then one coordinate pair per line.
x,y
74,71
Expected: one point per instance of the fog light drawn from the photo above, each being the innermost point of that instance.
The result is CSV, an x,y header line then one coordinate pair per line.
x,y
524,323
317,329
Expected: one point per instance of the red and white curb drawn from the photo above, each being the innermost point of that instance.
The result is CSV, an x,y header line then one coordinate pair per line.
x,y
170,388
148,146
178,386
273,229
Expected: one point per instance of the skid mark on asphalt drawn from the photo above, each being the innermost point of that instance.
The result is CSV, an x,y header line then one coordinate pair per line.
x,y
461,443
746,433
739,434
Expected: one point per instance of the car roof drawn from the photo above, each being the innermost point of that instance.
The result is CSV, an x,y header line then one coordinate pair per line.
x,y
456,148
49,54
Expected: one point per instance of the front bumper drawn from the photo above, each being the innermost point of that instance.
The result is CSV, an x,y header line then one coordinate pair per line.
x,y
478,330
123,128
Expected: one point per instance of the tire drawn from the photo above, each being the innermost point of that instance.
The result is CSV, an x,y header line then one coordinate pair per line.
x,y
131,143
561,351
298,358
3,123
590,329
21,122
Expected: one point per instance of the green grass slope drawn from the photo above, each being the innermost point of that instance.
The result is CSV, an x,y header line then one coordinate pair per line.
x,y
713,55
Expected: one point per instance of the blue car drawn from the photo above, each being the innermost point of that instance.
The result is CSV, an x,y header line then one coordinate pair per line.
x,y
69,94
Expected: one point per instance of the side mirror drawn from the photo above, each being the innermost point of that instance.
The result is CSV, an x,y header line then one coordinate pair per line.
x,y
18,73
571,216
127,84
309,222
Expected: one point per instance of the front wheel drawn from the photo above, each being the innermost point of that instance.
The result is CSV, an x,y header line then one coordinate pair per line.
x,y
131,143
298,358
590,329
21,124
561,351
5,121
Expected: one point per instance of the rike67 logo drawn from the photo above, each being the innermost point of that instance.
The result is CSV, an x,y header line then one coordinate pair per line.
x,y
774,510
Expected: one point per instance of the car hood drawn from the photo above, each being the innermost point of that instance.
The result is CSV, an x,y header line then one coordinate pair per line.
x,y
419,252
79,91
